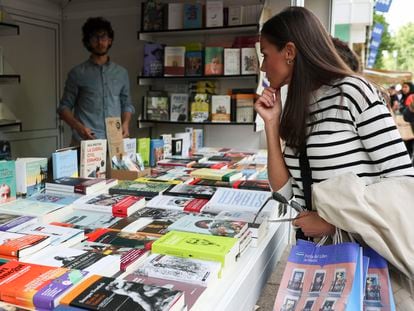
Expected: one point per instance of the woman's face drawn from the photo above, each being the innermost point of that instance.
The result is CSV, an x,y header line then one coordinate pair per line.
x,y
278,72
405,89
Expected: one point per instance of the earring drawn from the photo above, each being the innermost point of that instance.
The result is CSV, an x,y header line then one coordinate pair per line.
x,y
289,61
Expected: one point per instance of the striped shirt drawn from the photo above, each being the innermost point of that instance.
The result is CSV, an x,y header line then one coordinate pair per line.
x,y
349,129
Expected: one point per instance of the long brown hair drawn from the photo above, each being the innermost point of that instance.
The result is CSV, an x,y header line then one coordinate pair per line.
x,y
316,64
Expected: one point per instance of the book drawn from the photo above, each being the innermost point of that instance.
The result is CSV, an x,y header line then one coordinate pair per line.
x,y
179,107
156,214
21,281
191,291
65,163
120,238
198,139
178,203
193,191
156,151
152,16
176,147
186,144
72,258
153,63
199,246
44,211
249,61
252,185
213,62
115,204
235,15
62,236
5,150
7,181
155,228
208,182
146,189
14,223
205,224
214,13
188,270
109,294
144,149
167,138
244,107
228,199
194,63
231,61
79,185
17,245
193,15
200,107
175,15
31,175
93,158
214,174
220,108
156,107
174,61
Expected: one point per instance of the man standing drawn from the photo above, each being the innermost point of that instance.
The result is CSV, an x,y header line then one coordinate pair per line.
x,y
97,88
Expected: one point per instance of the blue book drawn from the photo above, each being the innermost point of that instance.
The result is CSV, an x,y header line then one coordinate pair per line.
x,y
156,151
65,164
7,181
193,15
153,60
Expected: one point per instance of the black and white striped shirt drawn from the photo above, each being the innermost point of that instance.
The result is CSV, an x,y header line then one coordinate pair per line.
x,y
350,129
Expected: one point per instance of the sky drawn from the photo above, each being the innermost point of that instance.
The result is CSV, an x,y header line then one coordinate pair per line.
x,y
401,12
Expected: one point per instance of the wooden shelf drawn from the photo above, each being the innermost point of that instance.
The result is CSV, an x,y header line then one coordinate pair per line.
x,y
7,29
141,80
251,28
9,79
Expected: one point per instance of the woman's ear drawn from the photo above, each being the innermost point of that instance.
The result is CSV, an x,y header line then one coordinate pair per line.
x,y
290,52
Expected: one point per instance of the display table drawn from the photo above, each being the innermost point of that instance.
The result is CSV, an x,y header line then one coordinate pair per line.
x,y
241,285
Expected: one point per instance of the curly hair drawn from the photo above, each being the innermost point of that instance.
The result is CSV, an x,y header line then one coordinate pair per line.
x,y
94,25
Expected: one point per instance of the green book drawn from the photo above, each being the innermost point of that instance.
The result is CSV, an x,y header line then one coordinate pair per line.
x,y
144,150
7,181
199,246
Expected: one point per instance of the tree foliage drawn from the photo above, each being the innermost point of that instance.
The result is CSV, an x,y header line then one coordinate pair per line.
x,y
404,44
387,42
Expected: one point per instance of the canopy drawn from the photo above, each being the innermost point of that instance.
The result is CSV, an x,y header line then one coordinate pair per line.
x,y
387,77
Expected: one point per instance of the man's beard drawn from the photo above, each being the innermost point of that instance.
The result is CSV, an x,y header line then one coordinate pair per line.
x,y
98,52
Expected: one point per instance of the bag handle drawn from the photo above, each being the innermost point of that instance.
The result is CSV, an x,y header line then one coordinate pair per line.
x,y
336,238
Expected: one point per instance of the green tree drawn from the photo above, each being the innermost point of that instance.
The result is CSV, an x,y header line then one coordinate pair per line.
x,y
387,42
404,44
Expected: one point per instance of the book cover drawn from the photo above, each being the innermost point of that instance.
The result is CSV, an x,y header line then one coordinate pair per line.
x,y
144,149
153,60
176,150
18,245
193,15
220,108
7,181
235,15
120,238
146,189
14,223
191,291
194,63
189,270
65,164
208,182
214,174
231,61
252,185
200,246
76,185
200,107
244,108
157,108
174,61
175,15
249,61
156,228
93,158
167,139
177,203
198,139
214,13
156,151
109,294
205,224
193,191
213,62
31,175
186,144
152,16
179,106
159,214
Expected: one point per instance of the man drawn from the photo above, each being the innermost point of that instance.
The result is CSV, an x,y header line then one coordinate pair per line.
x,y
97,88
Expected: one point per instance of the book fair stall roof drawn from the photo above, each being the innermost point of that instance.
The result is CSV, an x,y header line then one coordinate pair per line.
x,y
387,77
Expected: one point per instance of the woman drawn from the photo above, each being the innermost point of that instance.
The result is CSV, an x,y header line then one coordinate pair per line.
x,y
334,116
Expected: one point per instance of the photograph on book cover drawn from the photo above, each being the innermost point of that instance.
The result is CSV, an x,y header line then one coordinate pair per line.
x,y
328,304
339,281
309,304
318,282
289,304
373,290
296,281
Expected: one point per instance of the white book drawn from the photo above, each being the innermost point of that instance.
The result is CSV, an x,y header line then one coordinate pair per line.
x,y
87,220
63,236
179,106
175,15
93,158
186,143
220,108
231,61
94,263
214,13
167,139
174,61
235,15
195,271
31,175
249,61
176,203
130,146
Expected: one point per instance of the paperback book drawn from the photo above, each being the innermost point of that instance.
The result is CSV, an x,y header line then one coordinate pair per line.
x,y
7,181
179,107
185,204
76,185
193,191
31,175
214,174
65,163
93,158
153,59
146,189
119,238
17,245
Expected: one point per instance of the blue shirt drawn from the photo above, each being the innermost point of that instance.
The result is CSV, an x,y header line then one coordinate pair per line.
x,y
94,92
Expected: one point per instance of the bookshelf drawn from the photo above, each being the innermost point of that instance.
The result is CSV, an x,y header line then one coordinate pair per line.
x,y
7,29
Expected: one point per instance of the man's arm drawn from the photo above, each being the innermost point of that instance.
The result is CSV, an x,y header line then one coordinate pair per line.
x,y
126,119
126,107
67,116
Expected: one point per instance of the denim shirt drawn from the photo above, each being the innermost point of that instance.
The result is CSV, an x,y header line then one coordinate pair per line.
x,y
94,92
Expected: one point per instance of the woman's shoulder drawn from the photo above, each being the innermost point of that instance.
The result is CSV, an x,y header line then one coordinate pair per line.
x,y
357,83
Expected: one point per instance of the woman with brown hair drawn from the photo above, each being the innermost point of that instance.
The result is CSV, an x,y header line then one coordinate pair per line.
x,y
333,120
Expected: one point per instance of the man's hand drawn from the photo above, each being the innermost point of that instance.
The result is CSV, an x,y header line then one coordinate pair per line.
x,y
85,132
313,225
125,130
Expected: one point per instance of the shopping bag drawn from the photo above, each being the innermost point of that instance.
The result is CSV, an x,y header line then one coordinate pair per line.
x,y
378,291
322,278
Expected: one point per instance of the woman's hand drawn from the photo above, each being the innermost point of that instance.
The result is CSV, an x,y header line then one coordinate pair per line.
x,y
269,106
313,225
